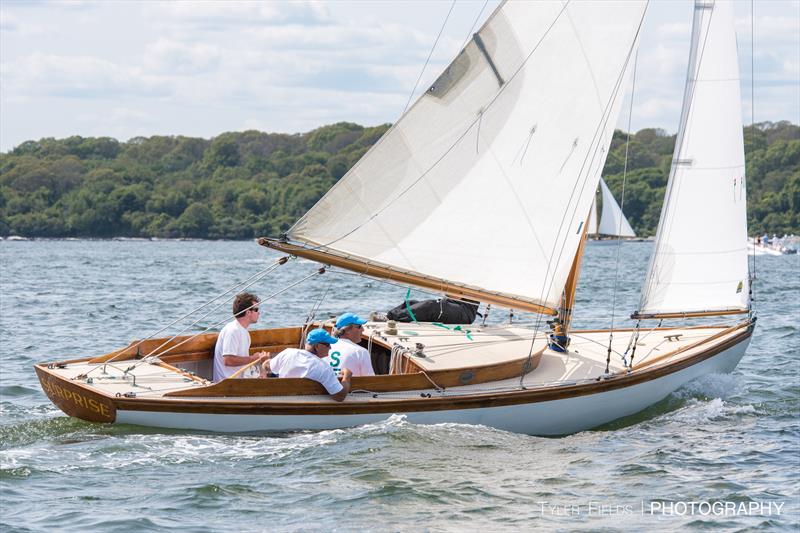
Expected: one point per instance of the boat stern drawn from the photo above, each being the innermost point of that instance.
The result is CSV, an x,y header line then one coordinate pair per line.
x,y
73,398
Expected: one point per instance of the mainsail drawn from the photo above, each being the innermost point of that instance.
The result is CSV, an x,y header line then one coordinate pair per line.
x,y
699,263
486,181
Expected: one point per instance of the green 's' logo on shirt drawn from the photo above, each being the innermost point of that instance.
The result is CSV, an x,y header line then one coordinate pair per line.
x,y
335,359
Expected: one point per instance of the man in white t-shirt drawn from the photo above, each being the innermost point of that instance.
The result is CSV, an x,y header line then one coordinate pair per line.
x,y
232,350
348,353
296,363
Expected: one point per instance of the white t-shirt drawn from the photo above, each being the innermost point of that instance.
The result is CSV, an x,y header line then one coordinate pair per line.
x,y
347,354
295,363
232,340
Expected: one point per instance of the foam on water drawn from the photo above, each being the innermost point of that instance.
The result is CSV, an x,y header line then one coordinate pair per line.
x,y
713,386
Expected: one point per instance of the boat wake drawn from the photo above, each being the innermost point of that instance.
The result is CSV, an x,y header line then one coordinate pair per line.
x,y
697,411
722,386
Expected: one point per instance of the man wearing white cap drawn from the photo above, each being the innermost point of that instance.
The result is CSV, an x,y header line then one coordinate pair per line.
x,y
308,363
348,354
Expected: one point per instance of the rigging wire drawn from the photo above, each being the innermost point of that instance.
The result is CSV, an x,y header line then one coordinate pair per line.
x,y
258,276
312,313
603,122
419,78
664,225
247,283
474,23
622,210
452,146
752,127
152,355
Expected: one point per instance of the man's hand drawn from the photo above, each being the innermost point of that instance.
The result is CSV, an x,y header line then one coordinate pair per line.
x,y
345,381
262,356
265,358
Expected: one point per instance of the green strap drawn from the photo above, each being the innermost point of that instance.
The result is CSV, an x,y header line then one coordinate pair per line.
x,y
466,332
408,307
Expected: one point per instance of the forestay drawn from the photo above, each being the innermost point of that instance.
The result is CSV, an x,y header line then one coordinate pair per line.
x,y
612,220
487,179
699,263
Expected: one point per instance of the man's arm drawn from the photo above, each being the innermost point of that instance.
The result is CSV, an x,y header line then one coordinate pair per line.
x,y
345,381
239,360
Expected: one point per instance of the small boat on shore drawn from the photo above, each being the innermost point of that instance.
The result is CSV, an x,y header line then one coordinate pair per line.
x,y
777,246
482,192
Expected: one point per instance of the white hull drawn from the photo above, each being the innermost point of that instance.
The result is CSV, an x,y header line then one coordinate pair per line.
x,y
556,417
762,250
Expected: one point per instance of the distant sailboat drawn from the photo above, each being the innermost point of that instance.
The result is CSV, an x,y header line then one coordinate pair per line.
x,y
481,192
612,221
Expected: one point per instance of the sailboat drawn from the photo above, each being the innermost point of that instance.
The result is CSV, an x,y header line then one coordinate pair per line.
x,y
612,221
481,191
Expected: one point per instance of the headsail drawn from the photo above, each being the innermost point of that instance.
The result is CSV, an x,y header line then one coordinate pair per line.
x,y
699,262
486,181
612,220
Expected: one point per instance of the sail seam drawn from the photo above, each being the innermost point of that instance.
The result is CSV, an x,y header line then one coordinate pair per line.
x,y
590,156
731,167
500,91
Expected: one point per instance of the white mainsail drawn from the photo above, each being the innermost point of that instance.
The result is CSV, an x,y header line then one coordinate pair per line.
x,y
487,179
612,220
699,262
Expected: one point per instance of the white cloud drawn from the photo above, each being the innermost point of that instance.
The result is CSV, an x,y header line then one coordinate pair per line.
x,y
200,68
221,16
12,23
41,75
166,56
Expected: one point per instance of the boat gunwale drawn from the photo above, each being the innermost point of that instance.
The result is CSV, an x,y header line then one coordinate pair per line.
x,y
468,400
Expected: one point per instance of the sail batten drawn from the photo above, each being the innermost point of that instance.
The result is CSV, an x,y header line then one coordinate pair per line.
x,y
485,179
699,262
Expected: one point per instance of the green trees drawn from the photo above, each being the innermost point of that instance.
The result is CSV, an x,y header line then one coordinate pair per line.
x,y
242,185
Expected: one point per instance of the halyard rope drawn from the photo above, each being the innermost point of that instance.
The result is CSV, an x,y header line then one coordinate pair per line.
x,y
621,217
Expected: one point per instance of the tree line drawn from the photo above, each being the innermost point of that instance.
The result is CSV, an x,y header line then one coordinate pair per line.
x,y
241,185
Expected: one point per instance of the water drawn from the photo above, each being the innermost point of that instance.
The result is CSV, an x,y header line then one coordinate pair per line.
x,y
733,439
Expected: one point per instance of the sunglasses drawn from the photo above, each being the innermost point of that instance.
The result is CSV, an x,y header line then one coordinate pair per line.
x,y
254,309
325,344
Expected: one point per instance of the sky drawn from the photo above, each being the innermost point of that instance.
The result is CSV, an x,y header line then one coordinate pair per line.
x,y
200,68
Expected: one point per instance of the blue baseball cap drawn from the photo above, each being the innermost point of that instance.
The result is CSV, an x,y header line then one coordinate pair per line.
x,y
348,319
316,336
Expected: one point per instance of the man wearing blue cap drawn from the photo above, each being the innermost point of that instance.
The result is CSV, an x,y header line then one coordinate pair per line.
x,y
308,363
348,354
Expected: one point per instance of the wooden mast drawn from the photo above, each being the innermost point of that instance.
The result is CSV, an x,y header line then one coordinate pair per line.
x,y
559,339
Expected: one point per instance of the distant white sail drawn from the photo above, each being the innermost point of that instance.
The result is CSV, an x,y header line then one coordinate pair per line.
x,y
487,179
699,262
612,220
